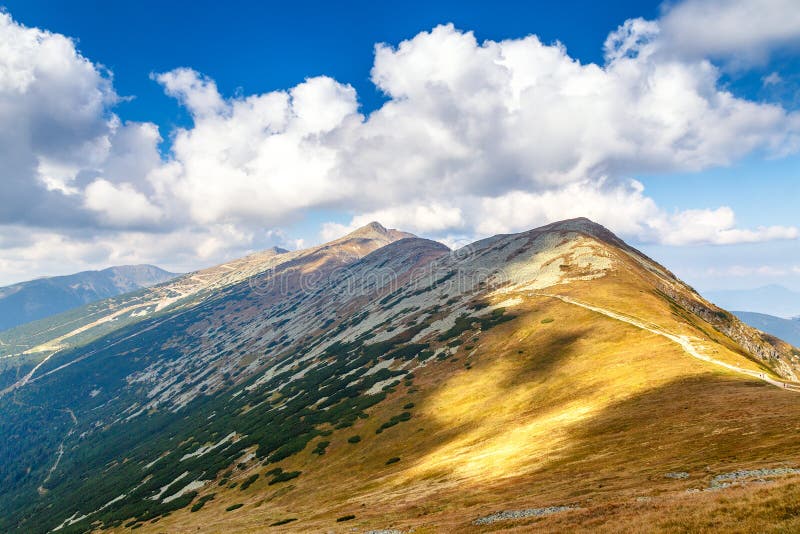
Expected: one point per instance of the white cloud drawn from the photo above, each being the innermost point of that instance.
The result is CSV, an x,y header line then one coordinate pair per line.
x,y
474,138
198,93
27,253
260,158
56,131
472,126
716,227
623,207
632,39
742,32
120,205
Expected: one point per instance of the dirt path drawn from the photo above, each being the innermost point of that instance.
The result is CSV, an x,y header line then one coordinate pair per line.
x,y
60,453
25,379
42,489
684,341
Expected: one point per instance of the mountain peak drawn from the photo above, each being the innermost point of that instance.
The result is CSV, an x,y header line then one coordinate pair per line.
x,y
375,230
581,224
585,226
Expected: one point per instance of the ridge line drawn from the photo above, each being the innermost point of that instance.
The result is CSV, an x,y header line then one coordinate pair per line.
x,y
683,341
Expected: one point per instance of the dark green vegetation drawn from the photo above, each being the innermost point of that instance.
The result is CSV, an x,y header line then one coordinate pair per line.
x,y
465,322
92,384
320,448
284,477
345,518
405,416
283,522
248,482
149,413
202,501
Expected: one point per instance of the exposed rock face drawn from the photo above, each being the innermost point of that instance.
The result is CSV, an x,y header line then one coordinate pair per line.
x,y
773,352
786,329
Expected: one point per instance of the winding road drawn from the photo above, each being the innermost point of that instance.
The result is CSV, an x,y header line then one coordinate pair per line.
x,y
684,341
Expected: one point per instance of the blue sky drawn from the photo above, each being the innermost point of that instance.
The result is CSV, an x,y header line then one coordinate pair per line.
x,y
257,47
700,172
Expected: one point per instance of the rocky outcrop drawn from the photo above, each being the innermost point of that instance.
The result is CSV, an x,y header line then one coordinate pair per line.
x,y
769,350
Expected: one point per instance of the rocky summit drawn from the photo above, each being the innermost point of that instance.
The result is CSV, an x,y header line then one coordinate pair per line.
x,y
549,380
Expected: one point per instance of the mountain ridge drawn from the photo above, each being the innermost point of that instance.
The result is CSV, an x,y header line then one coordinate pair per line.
x,y
785,329
42,297
395,383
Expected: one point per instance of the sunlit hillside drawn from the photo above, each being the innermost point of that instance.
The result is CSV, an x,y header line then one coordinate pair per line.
x,y
555,378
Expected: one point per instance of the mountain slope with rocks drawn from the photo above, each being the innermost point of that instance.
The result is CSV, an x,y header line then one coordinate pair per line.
x,y
551,379
785,329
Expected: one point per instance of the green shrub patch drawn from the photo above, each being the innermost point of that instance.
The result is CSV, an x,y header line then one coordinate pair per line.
x,y
283,522
248,482
405,416
283,477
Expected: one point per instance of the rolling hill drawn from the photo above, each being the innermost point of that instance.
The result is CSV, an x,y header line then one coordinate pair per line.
x,y
37,299
553,379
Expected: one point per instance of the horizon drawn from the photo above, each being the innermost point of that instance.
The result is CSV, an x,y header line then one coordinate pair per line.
x,y
371,224
147,143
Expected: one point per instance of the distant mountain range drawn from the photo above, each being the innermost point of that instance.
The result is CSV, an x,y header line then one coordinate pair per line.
x,y
36,299
771,300
786,329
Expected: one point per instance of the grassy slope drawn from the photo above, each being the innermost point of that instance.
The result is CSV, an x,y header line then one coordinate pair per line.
x,y
561,406
583,410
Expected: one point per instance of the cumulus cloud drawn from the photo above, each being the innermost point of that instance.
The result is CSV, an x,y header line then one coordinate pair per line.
x,y
260,158
743,32
716,227
120,205
56,130
474,138
198,93
503,136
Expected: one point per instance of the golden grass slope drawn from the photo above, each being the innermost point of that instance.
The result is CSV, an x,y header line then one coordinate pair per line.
x,y
559,407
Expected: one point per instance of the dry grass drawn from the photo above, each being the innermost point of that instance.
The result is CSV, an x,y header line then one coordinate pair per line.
x,y
583,410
